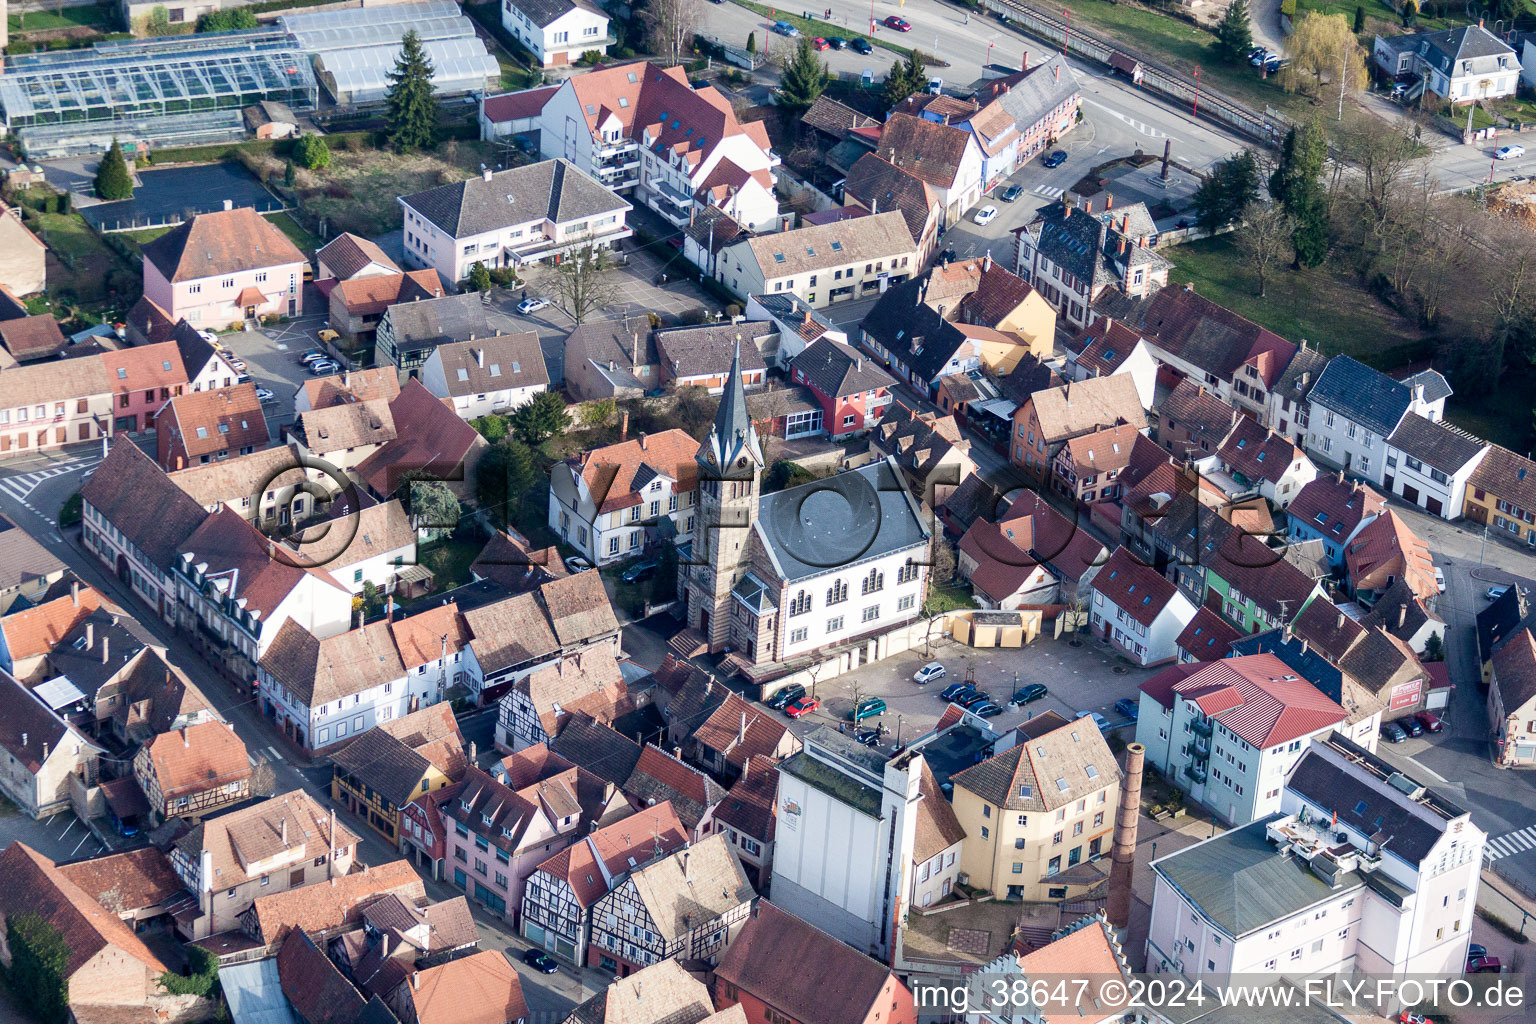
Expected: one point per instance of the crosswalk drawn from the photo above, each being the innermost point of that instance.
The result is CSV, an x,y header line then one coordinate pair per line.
x,y
1510,843
1049,191
22,485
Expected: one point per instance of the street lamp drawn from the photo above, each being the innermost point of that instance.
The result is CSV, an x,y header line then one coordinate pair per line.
x,y
1196,111
1067,36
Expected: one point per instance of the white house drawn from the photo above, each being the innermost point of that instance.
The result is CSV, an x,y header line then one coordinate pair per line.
x,y
1137,608
1227,732
557,31
1429,463
510,218
1251,458
1364,869
944,156
609,502
325,691
823,263
348,256
1354,409
487,376
1108,347
1463,64
207,368
644,128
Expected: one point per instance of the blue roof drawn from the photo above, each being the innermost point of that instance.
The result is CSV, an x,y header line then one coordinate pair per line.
x,y
1359,393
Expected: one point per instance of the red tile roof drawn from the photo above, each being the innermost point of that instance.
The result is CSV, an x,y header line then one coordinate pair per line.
x,y
1387,549
421,638
145,368
641,836
1133,586
218,243
197,758
36,631
482,988
515,106
610,472
1259,698
213,421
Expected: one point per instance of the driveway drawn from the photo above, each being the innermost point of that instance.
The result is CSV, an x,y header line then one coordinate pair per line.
x,y
272,355
1264,22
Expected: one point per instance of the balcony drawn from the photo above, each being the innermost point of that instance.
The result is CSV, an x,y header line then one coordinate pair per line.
x,y
671,202
1195,773
1202,749
1203,727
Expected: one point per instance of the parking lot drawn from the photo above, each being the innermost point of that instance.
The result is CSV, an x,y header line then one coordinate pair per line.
x,y
60,837
1089,677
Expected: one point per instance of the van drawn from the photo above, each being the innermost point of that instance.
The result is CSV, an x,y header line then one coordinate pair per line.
x,y
868,708
935,86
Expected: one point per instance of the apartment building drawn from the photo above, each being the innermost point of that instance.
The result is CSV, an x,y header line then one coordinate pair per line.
x,y
823,263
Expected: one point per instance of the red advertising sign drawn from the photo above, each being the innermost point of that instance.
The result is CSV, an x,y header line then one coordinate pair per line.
x,y
1406,695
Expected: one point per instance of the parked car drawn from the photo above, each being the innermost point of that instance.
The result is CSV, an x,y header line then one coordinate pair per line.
x,y
1259,56
782,699
869,707
837,42
1274,62
531,305
868,737
313,356
1484,965
636,573
985,214
986,709
803,706
1055,159
575,563
820,44
973,698
244,378
928,673
899,24
1476,949
1025,694
1392,732
324,368
784,28
1439,579
954,690
1410,726
237,363
1128,707
935,86
1494,593
265,396
861,46
1430,721
1509,152
208,336
1011,193
540,961
1413,1017
1098,719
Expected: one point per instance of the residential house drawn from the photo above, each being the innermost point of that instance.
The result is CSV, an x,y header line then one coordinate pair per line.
x,y
136,885
1403,614
1502,493
491,377
643,128
148,324
1207,637
349,257
54,402
1042,100
1050,418
1335,898
377,774
423,832
782,968
22,268
1289,411
1384,551
482,988
1039,815
407,332
316,990
1252,584
717,728
398,936
1512,701
701,356
598,748
27,569
823,263
1429,462
513,218
224,268
143,379
612,359
934,457
747,819
1032,555
207,368
1087,468
690,904
1107,346
611,503
659,777
799,325
342,435
322,909
562,893
1228,731
1192,422
1251,458
853,392
28,636
710,231
46,756
429,438
514,113
357,305
531,712
1354,409
1071,256
663,993
103,963
518,635
193,771
558,32
879,186
286,842
947,158
202,426
149,698
1138,609
28,339
1466,64
1333,511
1089,946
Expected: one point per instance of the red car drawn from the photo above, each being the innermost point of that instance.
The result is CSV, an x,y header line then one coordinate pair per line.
x,y
1429,720
803,706
1483,965
899,24
1413,1017
821,44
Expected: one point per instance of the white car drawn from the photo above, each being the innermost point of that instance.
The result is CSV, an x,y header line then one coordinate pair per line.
x,y
265,396
1509,152
531,305
1439,580
1098,719
238,364
985,214
208,336
576,564
928,673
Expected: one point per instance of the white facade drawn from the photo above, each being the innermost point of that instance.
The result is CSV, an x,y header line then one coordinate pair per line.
x,y
1143,644
215,374
1429,487
1140,366
343,719
563,40
324,609
880,594
607,537
1337,439
156,587
473,406
865,274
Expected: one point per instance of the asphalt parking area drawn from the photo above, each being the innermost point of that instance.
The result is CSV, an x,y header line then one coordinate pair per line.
x,y
271,355
60,837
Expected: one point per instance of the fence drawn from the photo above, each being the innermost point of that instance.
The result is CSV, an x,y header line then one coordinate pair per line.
x,y
1268,127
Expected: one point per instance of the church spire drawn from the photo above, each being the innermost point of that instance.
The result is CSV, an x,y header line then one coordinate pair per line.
x,y
733,436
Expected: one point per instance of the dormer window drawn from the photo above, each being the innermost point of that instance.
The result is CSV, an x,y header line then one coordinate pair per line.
x,y
465,805
485,819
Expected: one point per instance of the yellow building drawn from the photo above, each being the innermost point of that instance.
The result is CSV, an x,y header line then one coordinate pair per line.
x,y
1502,493
395,762
1038,816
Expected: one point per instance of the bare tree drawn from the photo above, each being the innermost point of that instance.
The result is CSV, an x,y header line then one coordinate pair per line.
x,y
1264,240
771,404
583,282
671,26
263,779
1384,155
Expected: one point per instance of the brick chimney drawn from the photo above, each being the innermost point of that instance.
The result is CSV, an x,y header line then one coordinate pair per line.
x,y
1123,850
623,425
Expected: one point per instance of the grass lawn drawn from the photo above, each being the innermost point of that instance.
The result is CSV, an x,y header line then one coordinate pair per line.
x,y
449,561
948,599
84,259
139,239
1458,119
1326,306
66,17
357,191
296,233
1516,108
811,28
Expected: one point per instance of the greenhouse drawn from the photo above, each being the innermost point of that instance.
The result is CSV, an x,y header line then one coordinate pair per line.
x,y
136,80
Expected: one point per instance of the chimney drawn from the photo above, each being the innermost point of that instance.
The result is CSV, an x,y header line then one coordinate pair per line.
x,y
285,818
634,348
184,741
472,751
741,731
480,358
1121,250
415,979
90,635
485,174
389,608
858,364
1088,206
74,593
45,751
685,865
642,440
229,204
1305,376
1402,614
1123,850
105,646
1167,155
1341,621
1109,200
623,425
986,262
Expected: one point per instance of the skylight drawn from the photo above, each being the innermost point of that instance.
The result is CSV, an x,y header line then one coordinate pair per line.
x,y
1360,807
778,257
632,78
837,246
1061,784
809,251
463,374
202,432
1092,771
1026,791
122,374
591,109
624,100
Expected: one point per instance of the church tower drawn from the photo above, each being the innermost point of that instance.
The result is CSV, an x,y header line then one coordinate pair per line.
x,y
730,470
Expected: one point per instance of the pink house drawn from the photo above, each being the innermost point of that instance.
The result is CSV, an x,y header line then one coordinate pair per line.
x,y
224,268
143,380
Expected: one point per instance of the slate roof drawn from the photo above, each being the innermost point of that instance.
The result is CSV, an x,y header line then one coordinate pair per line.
x,y
1435,386
837,370
880,186
1208,635
1038,91
714,229
1300,374
708,350
598,748
551,190
500,363
220,243
1514,670
1045,772
1359,393
1436,444
1212,337
136,496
